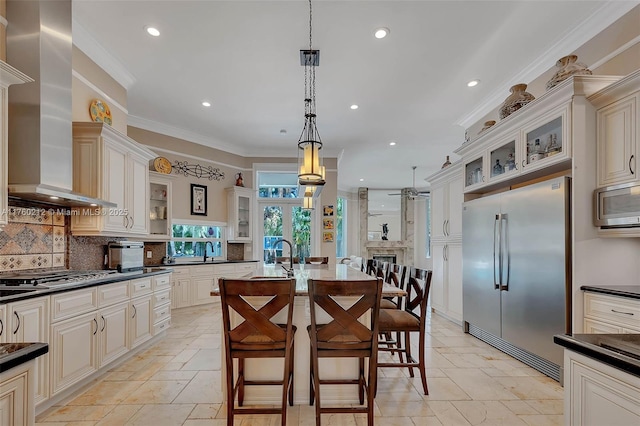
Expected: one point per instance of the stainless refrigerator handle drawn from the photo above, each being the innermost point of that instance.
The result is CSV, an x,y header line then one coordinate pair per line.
x,y
505,238
495,282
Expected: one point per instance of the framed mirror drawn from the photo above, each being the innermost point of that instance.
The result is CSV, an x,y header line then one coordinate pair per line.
x,y
384,215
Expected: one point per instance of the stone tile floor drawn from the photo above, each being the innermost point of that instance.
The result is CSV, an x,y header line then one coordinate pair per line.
x,y
176,382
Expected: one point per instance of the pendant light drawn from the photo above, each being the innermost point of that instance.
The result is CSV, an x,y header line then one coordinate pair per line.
x,y
311,173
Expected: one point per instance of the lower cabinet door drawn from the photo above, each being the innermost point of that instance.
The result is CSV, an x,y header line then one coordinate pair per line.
x,y
202,287
438,254
73,344
140,321
114,332
16,401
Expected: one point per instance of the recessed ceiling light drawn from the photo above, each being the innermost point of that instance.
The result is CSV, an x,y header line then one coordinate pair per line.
x,y
392,143
205,103
354,106
381,32
152,31
473,83
361,180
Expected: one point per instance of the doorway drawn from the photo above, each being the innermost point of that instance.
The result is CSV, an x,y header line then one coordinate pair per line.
x,y
285,218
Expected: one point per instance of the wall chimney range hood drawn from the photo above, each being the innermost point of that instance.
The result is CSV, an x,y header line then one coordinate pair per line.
x,y
40,130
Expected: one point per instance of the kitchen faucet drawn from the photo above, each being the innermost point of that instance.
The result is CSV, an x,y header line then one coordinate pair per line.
x,y
205,249
290,270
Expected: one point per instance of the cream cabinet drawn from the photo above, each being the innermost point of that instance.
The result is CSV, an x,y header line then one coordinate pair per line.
x,y
140,321
113,337
161,303
160,196
110,166
446,237
3,324
8,76
605,313
240,205
536,140
617,131
16,395
598,394
28,321
192,285
202,281
73,350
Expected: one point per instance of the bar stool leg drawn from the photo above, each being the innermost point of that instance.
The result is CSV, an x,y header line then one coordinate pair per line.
x,y
312,382
290,385
407,344
240,382
230,393
421,364
361,380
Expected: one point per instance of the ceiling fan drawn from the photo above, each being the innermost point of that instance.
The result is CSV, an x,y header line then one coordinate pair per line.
x,y
413,192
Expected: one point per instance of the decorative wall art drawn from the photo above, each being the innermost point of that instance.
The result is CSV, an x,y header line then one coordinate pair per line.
x,y
198,200
100,112
327,210
327,223
327,237
196,170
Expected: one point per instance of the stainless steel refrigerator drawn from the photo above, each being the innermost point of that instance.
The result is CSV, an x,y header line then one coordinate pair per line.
x,y
516,271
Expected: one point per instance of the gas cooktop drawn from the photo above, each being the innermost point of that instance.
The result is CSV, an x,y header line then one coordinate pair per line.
x,y
54,278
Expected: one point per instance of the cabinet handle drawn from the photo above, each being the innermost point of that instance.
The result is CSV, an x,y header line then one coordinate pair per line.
x,y
135,311
483,178
96,321
444,230
104,323
1,327
18,318
523,164
448,227
630,169
620,312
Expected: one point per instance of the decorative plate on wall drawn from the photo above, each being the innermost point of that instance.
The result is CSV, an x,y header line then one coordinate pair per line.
x,y
162,165
100,112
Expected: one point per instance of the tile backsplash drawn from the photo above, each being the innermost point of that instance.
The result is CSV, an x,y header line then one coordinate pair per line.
x,y
34,238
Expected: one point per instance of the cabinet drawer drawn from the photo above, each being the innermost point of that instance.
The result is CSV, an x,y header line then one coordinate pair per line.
x,y
202,271
113,293
140,287
617,311
72,303
161,313
161,281
161,297
180,272
599,327
161,326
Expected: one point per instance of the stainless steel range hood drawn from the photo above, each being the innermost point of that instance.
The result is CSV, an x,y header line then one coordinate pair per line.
x,y
40,135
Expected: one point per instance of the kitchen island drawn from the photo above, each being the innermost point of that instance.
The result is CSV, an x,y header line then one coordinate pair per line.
x,y
265,369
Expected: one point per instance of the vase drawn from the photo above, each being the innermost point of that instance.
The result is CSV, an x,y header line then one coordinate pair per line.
x,y
487,124
567,67
446,163
518,98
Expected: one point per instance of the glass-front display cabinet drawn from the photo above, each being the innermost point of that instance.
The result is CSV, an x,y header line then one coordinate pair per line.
x,y
474,172
159,205
503,159
240,205
546,141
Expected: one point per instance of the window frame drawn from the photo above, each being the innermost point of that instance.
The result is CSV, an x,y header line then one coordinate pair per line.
x,y
190,258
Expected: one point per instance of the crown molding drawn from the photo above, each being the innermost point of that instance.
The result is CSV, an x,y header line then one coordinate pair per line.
x,y
98,54
600,19
95,88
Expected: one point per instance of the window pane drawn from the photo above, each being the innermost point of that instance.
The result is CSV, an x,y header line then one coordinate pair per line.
x,y
301,231
272,232
341,242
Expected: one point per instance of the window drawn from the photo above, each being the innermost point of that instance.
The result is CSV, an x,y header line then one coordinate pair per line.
x,y
191,241
341,234
277,184
428,231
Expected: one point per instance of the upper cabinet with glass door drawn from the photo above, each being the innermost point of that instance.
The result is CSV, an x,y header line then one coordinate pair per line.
x,y
535,140
240,204
160,186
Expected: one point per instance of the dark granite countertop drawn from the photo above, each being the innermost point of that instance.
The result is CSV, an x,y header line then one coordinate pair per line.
x,y
28,292
621,351
630,291
14,354
211,262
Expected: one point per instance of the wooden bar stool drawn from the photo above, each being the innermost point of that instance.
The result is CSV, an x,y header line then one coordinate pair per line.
x,y
316,260
396,276
407,321
345,337
257,336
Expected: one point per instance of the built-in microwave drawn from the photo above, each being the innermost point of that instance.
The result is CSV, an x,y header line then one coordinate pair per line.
x,y
617,206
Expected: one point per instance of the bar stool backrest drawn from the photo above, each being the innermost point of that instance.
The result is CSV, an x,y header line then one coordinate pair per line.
x,y
397,276
418,286
316,260
285,260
